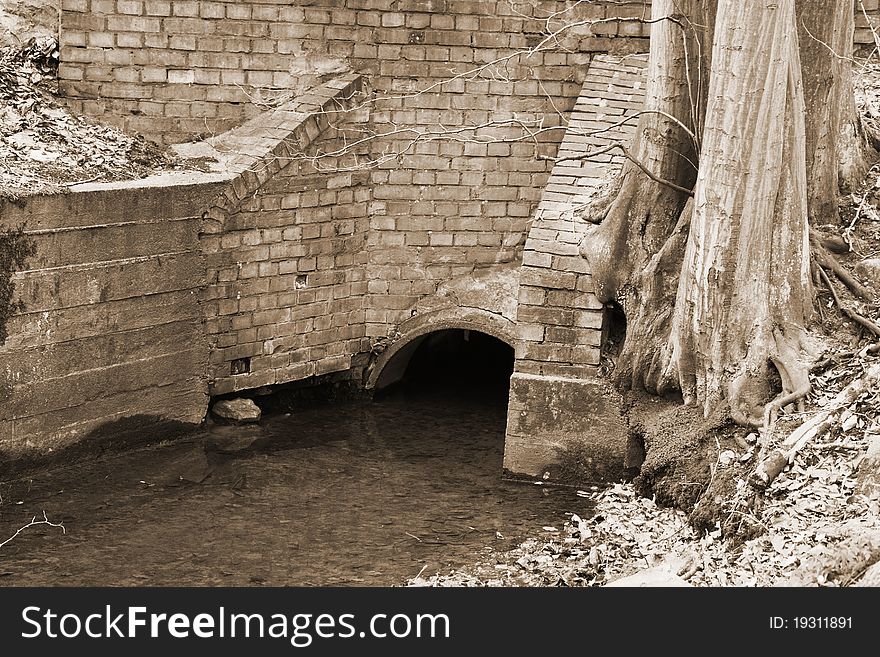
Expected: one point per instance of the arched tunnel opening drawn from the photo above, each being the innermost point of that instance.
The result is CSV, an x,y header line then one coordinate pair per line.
x,y
456,361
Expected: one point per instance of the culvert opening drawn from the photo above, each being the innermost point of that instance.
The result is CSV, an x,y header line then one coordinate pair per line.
x,y
613,330
459,361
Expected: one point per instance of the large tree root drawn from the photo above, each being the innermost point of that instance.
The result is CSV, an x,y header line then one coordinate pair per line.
x,y
826,260
773,464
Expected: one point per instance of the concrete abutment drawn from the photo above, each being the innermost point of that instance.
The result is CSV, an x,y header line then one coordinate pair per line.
x,y
564,430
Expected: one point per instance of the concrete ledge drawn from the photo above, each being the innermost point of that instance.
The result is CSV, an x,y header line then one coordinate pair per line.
x,y
253,153
160,197
563,430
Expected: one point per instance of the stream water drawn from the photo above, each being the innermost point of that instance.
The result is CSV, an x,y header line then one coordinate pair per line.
x,y
338,493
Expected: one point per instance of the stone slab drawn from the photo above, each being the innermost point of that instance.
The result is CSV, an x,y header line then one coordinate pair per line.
x,y
564,430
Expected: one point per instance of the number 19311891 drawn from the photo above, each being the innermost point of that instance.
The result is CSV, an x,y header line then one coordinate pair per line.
x,y
811,623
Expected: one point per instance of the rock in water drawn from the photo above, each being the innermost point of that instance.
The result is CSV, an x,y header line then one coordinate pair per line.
x,y
236,411
868,271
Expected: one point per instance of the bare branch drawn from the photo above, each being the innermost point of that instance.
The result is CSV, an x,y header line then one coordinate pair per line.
x,y
33,523
628,155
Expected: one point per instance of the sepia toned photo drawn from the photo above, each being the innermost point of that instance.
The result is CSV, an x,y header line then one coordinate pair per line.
x,y
437,293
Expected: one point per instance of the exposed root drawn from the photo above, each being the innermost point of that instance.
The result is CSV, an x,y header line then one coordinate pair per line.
x,y
690,567
826,260
773,408
768,469
770,466
859,319
746,396
795,377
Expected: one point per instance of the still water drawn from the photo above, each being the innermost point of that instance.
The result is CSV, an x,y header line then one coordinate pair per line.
x,y
337,493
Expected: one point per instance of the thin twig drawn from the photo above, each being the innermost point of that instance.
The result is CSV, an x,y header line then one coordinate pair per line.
x,y
33,523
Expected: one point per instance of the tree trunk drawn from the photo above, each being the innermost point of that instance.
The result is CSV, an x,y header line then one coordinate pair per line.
x,y
835,144
632,259
745,292
717,291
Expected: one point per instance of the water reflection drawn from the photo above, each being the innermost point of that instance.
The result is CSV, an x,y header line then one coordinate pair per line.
x,y
342,493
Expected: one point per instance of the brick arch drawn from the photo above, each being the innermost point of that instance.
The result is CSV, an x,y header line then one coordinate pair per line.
x,y
391,364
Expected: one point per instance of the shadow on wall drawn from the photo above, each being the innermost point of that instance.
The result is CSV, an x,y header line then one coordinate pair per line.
x,y
111,437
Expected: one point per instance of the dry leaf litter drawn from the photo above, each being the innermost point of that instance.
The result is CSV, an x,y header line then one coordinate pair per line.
x,y
44,148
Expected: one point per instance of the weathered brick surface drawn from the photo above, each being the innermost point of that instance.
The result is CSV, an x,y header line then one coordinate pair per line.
x,y
176,69
558,317
285,247
141,294
564,424
214,55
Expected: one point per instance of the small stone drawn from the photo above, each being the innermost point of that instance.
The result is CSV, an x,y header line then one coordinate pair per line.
x,y
236,411
868,271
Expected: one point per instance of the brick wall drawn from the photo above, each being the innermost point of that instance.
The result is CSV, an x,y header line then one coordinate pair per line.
x,y
175,69
559,318
867,20
448,204
286,261
179,68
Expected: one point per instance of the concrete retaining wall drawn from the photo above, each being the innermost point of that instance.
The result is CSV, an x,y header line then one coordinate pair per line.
x,y
144,297
113,328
